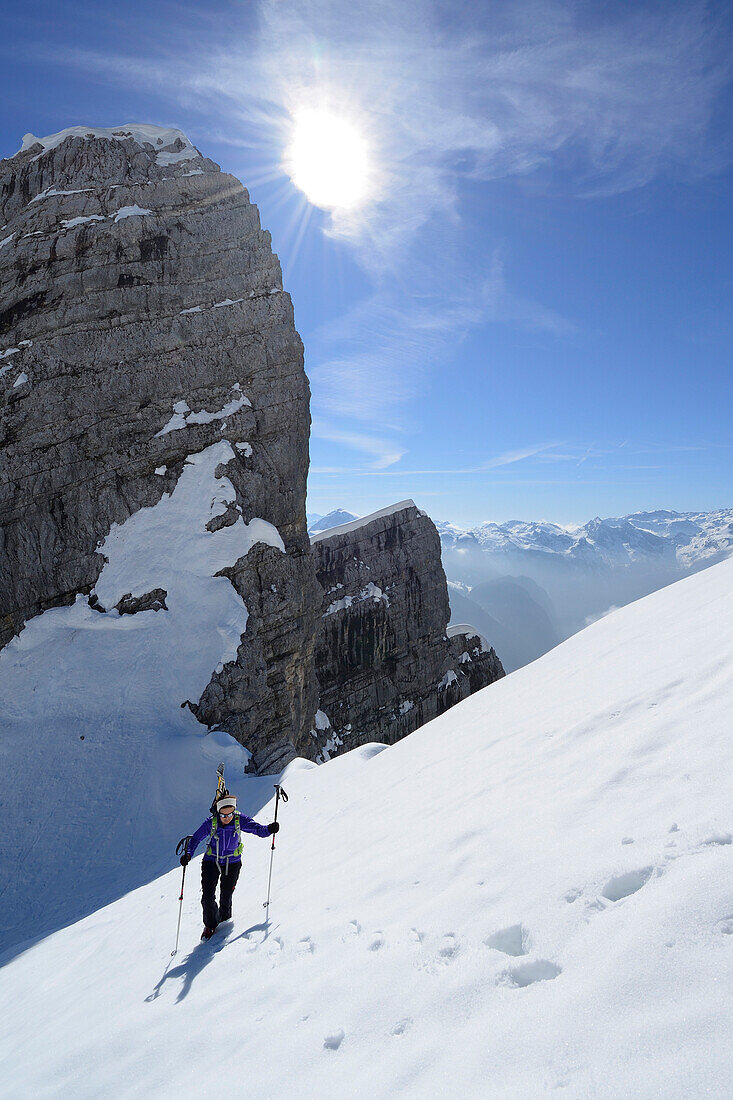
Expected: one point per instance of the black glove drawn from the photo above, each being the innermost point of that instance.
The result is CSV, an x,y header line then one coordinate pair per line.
x,y
185,858
274,827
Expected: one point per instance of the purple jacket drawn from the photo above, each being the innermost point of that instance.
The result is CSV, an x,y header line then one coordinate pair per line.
x,y
225,843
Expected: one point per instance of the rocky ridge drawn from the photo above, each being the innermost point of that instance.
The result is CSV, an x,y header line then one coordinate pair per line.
x,y
384,660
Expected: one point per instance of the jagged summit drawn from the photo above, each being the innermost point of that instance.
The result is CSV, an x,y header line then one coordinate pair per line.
x,y
169,144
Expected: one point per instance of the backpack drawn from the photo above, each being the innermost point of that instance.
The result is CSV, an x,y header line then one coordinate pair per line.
x,y
212,836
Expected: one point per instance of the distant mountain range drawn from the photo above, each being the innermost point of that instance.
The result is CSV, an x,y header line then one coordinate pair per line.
x,y
683,538
527,585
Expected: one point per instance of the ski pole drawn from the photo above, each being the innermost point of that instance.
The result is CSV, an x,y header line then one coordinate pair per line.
x,y
280,793
180,849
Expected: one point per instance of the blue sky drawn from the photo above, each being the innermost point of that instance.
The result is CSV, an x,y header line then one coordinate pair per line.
x,y
530,315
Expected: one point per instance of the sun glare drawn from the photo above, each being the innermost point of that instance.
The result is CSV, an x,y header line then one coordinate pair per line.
x,y
328,160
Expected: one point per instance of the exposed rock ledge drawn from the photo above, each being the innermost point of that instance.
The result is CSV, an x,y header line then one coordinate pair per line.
x,y
384,660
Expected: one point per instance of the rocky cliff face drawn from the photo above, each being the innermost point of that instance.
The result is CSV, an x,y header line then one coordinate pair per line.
x,y
385,663
142,319
147,352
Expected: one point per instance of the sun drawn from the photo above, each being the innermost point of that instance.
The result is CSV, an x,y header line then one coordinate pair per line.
x,y
328,160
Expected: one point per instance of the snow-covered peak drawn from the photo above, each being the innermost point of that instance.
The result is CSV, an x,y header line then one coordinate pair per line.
x,y
170,145
335,518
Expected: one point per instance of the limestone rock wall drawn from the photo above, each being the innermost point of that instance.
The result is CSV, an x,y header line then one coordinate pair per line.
x,y
384,661
142,318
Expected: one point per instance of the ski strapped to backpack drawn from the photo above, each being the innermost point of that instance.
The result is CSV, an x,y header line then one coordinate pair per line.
x,y
221,789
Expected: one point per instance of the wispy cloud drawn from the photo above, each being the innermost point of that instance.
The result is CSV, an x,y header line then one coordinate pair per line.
x,y
510,457
571,98
601,103
598,101
608,457
383,451
369,363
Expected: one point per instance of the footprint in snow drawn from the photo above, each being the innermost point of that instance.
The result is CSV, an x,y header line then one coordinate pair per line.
x,y
402,1026
572,895
512,941
718,838
306,946
524,974
448,948
416,937
353,928
621,886
376,941
334,1041
726,926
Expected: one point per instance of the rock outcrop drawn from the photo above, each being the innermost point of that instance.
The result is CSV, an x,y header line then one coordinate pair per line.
x,y
142,316
385,662
143,330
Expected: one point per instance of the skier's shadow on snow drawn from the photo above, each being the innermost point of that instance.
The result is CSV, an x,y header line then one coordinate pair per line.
x,y
199,958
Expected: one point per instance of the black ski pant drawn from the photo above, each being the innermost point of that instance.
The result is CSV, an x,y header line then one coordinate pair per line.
x,y
210,871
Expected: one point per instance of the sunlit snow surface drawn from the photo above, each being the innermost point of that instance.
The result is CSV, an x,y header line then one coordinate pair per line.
x,y
530,896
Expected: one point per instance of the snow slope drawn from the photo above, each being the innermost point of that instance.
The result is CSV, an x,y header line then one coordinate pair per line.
x,y
529,895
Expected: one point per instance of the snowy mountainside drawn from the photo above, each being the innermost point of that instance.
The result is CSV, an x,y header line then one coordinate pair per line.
x,y
697,536
548,909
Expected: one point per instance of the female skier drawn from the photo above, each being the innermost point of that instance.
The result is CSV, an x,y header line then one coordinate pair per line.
x,y
223,857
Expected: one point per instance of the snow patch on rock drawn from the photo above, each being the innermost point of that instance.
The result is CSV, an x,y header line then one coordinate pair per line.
x,y
182,415
71,223
131,212
370,591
